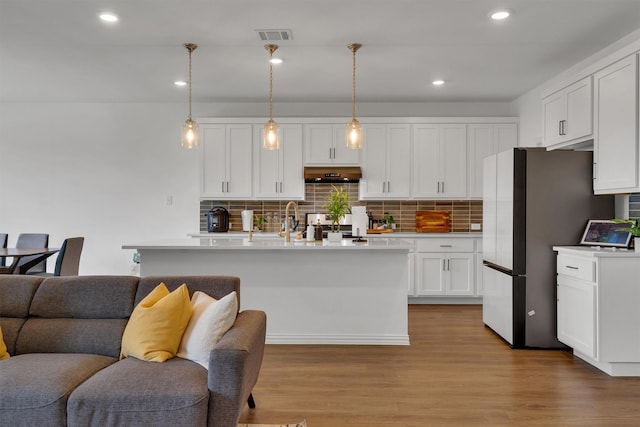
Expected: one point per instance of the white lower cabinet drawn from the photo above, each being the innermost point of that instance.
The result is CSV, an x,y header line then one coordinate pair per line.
x,y
445,274
445,267
597,302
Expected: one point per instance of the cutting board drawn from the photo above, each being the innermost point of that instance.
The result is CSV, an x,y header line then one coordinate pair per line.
x,y
433,221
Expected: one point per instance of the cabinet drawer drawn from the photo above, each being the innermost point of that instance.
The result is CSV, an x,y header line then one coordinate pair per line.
x,y
445,245
583,269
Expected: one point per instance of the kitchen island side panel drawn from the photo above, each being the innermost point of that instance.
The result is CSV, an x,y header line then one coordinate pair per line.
x,y
310,297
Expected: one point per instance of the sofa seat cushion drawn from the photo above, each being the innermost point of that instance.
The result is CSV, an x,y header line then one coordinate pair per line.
x,y
134,392
35,387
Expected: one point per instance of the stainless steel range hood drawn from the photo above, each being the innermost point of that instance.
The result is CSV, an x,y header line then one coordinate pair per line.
x,y
335,174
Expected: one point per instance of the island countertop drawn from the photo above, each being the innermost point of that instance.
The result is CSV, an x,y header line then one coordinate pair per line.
x,y
272,243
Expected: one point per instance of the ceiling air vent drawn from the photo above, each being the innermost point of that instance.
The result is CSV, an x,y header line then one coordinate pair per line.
x,y
274,35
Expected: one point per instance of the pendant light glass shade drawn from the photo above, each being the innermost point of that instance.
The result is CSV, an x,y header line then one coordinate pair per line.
x,y
353,133
271,141
190,127
189,134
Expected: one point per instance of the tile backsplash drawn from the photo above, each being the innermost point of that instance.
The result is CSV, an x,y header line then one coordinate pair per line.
x,y
463,212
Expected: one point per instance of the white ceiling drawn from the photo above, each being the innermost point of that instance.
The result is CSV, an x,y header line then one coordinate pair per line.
x,y
57,50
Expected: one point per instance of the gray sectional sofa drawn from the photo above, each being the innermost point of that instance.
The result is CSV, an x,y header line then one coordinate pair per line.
x,y
64,336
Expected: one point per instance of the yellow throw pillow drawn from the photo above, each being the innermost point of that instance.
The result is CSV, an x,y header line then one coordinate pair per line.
x,y
155,328
3,348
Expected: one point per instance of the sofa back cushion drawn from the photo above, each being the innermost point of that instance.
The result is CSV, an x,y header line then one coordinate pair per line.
x,y
78,314
214,286
16,293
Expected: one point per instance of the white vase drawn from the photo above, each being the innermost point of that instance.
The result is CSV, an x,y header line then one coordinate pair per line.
x,y
636,244
334,236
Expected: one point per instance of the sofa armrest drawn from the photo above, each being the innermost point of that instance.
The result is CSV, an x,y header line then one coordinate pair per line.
x,y
234,365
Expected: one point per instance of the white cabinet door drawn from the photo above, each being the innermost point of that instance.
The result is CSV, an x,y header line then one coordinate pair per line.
x,y
426,163
374,162
430,274
226,165
577,314
567,115
386,162
616,154
444,274
278,174
440,161
291,169
484,140
324,144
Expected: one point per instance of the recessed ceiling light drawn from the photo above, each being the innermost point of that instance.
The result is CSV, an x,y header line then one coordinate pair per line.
x,y
499,15
180,83
437,82
108,17
276,61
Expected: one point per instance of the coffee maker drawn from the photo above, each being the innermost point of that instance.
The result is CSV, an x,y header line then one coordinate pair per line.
x,y
217,220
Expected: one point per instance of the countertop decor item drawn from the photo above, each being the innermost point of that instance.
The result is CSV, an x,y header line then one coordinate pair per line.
x,y
337,206
433,221
190,127
271,141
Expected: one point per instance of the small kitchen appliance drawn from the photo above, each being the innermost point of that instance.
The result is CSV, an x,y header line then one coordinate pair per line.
x,y
218,220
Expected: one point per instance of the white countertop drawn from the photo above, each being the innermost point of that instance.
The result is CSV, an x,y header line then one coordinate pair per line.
x,y
398,235
597,251
269,243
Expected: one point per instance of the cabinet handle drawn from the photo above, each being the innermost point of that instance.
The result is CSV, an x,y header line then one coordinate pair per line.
x,y
281,186
438,187
227,186
572,267
448,265
388,186
446,246
276,183
384,186
222,183
444,264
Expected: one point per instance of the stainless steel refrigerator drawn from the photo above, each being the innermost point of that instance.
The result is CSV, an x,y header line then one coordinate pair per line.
x,y
533,199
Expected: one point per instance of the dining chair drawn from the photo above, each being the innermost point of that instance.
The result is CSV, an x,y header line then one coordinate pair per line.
x,y
33,240
68,261
3,244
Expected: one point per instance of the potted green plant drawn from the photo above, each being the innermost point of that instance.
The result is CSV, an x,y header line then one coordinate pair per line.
x,y
260,222
337,206
633,229
388,219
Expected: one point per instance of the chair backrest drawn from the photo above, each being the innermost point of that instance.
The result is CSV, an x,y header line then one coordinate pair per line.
x,y
33,240
68,261
3,244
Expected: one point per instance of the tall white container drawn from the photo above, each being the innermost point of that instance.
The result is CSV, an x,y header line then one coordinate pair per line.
x,y
359,219
247,220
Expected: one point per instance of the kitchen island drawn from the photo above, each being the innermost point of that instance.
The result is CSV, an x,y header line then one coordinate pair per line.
x,y
312,292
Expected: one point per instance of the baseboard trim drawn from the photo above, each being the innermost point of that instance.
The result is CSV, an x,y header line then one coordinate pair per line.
x,y
338,339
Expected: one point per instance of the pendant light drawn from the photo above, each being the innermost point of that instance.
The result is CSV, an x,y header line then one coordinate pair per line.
x,y
270,132
190,127
353,134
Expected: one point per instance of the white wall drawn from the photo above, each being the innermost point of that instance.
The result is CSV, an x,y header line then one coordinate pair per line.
x,y
103,171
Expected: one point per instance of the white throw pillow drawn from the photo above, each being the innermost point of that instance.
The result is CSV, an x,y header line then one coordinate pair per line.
x,y
210,320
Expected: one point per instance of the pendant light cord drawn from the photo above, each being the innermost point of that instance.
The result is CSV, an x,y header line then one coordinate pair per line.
x,y
353,96
270,85
190,47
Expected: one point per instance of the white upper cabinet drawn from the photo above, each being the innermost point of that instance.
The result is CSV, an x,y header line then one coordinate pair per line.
x,y
439,161
226,162
616,154
567,115
324,144
386,162
278,174
484,140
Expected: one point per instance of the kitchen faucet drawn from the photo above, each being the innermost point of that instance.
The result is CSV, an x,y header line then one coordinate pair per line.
x,y
287,224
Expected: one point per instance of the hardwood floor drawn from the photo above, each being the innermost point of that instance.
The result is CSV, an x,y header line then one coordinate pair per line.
x,y
456,372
